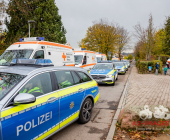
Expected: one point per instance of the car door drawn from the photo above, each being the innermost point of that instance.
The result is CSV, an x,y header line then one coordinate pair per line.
x,y
90,84
115,72
35,120
71,92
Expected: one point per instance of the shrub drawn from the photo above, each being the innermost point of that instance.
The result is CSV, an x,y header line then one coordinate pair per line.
x,y
142,66
163,58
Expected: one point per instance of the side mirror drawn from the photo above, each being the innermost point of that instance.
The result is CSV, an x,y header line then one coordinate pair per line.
x,y
24,98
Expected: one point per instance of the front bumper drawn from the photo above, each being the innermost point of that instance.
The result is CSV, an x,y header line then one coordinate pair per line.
x,y
121,71
105,81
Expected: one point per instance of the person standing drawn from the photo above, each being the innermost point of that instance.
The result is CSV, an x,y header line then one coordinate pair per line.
x,y
165,70
157,68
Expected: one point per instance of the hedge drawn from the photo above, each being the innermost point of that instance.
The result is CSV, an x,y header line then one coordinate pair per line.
x,y
163,58
142,66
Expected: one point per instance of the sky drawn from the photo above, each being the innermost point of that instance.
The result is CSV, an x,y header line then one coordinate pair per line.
x,y
78,15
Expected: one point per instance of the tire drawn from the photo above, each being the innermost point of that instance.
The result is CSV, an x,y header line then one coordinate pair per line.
x,y
86,111
117,77
114,82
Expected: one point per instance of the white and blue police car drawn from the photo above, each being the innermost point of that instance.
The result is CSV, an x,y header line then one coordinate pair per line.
x,y
104,72
38,99
120,66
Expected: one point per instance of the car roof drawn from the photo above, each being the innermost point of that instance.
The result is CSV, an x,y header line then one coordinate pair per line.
x,y
25,70
104,62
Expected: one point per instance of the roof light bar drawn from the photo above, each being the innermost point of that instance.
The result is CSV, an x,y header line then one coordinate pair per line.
x,y
32,62
31,39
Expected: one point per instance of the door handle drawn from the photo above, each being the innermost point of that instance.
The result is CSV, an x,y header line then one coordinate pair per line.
x,y
80,90
52,99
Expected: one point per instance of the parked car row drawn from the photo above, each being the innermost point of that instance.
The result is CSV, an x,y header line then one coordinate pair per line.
x,y
40,95
106,72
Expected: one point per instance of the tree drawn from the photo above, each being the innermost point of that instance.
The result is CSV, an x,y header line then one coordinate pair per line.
x,y
2,14
150,32
45,14
130,57
166,48
122,40
146,38
159,42
100,37
125,57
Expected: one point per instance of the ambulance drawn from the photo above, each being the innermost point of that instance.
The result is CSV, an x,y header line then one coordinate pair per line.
x,y
85,59
37,48
101,57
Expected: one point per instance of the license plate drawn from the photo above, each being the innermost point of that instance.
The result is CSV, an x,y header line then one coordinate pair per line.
x,y
98,80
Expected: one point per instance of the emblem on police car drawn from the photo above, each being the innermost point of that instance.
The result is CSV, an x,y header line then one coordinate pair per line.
x,y
71,105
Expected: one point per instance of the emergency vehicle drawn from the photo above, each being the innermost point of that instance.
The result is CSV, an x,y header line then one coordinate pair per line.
x,y
101,57
120,66
104,72
85,59
35,103
37,48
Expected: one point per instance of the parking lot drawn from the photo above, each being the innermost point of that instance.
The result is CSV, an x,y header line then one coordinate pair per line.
x,y
103,113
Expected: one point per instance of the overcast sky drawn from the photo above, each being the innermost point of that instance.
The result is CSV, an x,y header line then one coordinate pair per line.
x,y
78,15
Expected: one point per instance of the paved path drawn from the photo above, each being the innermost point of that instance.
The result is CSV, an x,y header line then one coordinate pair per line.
x,y
148,89
103,112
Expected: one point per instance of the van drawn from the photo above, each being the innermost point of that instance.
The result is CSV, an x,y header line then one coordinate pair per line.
x,y
101,57
37,48
85,59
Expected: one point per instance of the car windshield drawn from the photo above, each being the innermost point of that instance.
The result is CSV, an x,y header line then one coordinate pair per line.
x,y
7,82
103,66
98,59
119,64
9,55
115,60
78,59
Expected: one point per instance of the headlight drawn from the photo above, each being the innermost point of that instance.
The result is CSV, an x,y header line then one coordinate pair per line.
x,y
109,76
122,68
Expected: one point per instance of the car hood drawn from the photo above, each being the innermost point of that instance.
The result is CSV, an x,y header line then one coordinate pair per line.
x,y
118,67
100,71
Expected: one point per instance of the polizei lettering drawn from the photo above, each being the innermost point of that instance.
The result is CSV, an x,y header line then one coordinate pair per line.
x,y
34,123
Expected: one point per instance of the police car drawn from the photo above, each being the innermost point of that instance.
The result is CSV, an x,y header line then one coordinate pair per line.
x,y
104,72
37,101
120,66
126,64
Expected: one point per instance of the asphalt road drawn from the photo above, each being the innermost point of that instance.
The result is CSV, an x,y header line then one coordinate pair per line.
x,y
103,113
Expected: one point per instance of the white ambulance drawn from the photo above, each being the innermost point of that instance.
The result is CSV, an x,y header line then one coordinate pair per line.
x,y
37,48
101,57
85,59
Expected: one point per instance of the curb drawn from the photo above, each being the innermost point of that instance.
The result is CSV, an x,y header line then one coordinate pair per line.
x,y
120,106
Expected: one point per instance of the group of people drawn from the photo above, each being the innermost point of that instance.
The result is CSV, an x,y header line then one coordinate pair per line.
x,y
165,68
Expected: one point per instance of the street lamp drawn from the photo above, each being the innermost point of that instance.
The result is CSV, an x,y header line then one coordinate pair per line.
x,y
30,21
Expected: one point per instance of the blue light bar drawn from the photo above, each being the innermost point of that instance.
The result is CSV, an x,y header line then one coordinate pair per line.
x,y
43,62
32,39
33,62
83,49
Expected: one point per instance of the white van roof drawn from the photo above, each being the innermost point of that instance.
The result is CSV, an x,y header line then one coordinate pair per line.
x,y
35,43
84,51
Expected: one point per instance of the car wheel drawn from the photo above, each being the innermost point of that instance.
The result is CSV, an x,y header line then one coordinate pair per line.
x,y
117,77
86,111
113,82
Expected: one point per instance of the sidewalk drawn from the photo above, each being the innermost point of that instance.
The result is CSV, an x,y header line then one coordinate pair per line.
x,y
145,89
148,89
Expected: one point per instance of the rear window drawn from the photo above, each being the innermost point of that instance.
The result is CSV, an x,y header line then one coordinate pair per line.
x,y
84,77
